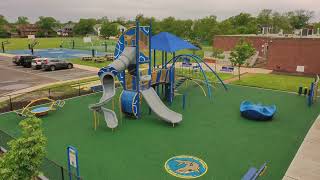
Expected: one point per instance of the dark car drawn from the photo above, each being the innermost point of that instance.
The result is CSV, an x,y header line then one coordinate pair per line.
x,y
24,60
54,64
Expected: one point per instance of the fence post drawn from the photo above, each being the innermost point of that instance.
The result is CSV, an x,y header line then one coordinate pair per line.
x,y
11,106
49,92
79,89
62,172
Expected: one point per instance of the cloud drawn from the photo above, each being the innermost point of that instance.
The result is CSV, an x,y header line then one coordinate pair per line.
x,y
65,10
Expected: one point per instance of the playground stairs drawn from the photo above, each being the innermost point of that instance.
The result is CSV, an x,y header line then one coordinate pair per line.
x,y
260,63
180,82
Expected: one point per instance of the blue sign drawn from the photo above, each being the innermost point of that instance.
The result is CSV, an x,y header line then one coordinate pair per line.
x,y
72,153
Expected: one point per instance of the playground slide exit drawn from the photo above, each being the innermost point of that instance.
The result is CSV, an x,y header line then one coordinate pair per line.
x,y
160,109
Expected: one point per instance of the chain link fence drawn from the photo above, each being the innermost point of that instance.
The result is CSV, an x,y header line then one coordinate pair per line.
x,y
17,101
49,169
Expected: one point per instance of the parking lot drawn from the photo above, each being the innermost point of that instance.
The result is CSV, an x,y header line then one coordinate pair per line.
x,y
13,78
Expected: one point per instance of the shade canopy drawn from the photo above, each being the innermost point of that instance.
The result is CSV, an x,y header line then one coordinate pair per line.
x,y
167,42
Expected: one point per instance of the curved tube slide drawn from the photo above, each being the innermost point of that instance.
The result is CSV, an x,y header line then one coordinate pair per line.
x,y
107,77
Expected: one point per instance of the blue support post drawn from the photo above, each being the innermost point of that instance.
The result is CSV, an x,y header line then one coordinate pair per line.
x,y
310,97
137,68
154,58
184,101
150,53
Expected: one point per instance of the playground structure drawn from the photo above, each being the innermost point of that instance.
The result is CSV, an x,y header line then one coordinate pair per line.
x,y
42,110
133,68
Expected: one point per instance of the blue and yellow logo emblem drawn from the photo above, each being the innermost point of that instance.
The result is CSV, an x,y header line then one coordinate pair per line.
x,y
186,167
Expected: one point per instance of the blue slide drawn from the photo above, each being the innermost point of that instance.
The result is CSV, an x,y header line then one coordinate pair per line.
x,y
258,112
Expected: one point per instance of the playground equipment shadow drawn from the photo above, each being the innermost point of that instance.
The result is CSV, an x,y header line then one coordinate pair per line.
x,y
212,130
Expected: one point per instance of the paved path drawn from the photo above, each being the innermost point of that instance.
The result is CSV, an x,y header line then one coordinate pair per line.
x,y
306,163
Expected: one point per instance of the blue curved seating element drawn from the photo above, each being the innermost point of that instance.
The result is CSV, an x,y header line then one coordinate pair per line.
x,y
258,112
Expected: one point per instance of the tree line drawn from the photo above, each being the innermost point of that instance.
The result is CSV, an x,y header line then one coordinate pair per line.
x,y
202,30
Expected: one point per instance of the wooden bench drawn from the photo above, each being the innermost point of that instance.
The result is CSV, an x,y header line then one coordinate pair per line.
x,y
99,59
87,58
227,69
110,57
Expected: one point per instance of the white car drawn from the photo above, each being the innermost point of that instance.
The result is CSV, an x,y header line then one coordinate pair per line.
x,y
37,62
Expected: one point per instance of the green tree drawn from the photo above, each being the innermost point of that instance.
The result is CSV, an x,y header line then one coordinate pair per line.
x,y
3,20
244,23
206,28
3,30
84,26
22,20
226,27
299,18
241,52
279,22
217,53
109,29
265,17
46,25
23,160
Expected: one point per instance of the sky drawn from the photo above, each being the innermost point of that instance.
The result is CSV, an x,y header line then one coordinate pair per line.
x,y
65,10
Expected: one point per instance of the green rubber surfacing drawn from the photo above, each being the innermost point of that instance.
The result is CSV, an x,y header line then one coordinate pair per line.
x,y
212,130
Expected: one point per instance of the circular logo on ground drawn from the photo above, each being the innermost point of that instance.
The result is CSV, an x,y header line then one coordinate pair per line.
x,y
186,167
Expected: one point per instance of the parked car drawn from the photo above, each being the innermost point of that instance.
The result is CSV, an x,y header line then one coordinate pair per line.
x,y
37,63
23,60
54,64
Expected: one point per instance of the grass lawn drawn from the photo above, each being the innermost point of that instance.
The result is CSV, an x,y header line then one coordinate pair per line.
x,y
212,130
89,63
275,81
22,43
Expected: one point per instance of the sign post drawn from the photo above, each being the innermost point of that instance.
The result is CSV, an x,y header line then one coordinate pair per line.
x,y
72,153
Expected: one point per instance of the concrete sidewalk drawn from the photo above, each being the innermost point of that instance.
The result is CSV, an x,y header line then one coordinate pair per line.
x,y
306,163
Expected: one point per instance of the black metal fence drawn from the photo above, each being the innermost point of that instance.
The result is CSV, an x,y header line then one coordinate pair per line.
x,y
17,101
49,168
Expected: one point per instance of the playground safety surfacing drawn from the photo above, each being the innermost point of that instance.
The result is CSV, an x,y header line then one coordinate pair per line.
x,y
211,130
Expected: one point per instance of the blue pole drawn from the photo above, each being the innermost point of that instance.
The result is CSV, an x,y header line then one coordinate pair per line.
x,y
184,101
150,52
69,167
137,67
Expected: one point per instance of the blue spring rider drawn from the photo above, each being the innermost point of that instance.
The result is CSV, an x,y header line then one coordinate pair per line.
x,y
257,112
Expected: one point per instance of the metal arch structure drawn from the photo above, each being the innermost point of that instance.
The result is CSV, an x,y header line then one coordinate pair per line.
x,y
198,61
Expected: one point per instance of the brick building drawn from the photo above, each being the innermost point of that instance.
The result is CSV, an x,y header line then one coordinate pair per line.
x,y
28,29
284,54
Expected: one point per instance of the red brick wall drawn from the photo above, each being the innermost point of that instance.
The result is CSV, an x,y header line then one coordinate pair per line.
x,y
227,43
286,54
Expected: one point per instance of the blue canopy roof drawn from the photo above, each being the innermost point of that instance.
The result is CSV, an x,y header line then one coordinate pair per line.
x,y
165,41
